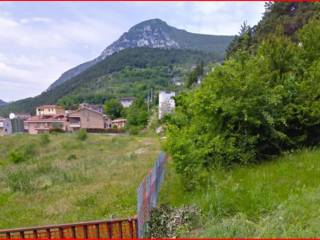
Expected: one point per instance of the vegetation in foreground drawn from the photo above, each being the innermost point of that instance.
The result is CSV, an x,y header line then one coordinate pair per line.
x,y
47,179
279,198
251,108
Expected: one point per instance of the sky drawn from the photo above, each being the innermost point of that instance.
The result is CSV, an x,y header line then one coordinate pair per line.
x,y
41,40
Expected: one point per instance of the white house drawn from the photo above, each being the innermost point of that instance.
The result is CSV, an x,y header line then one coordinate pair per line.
x,y
166,103
126,102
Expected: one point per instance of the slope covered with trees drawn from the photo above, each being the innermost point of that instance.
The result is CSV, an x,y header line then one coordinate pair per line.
x,y
154,33
2,102
131,72
280,17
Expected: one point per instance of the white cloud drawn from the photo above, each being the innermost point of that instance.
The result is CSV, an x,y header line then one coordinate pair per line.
x,y
7,71
35,20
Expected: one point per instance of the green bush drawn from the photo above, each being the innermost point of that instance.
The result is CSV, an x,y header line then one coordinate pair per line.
x,y
167,222
55,131
16,156
82,135
72,157
44,139
22,154
19,181
137,116
113,108
251,108
134,130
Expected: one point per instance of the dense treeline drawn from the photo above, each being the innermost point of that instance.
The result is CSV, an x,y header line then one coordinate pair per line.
x,y
94,84
281,17
254,106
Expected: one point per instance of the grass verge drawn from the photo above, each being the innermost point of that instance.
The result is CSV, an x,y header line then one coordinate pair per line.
x,y
279,198
69,180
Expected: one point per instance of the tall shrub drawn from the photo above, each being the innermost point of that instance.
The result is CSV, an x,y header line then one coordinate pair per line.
x,y
251,108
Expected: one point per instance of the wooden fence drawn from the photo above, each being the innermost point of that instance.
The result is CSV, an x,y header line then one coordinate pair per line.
x,y
119,228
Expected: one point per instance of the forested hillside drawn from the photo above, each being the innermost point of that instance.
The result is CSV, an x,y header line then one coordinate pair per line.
x,y
131,72
154,33
284,18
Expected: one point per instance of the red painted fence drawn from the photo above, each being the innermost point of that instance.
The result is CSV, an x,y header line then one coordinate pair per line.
x,y
119,228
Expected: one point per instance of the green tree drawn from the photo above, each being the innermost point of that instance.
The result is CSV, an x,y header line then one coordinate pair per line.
x,y
195,74
251,108
137,114
113,108
243,41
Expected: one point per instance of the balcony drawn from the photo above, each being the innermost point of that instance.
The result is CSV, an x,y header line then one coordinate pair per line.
x,y
74,124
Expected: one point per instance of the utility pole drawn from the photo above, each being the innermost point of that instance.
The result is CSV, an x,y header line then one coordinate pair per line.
x,y
148,101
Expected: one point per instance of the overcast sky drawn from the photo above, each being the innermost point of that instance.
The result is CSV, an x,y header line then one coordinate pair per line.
x,y
39,41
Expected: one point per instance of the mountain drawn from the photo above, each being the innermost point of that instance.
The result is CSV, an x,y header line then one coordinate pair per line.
x,y
151,55
2,102
154,33
130,72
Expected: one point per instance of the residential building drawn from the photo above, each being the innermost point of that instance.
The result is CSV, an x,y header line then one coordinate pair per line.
x,y
49,110
119,123
166,103
126,102
5,126
96,107
87,118
44,123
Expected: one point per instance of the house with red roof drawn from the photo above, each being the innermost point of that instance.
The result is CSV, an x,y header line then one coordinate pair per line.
x,y
44,123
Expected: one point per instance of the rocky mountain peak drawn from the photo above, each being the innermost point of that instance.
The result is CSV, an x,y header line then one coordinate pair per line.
x,y
153,33
2,102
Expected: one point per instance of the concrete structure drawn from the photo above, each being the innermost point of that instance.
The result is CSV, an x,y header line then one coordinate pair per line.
x,y
43,124
22,116
5,126
119,123
166,103
126,102
49,110
87,118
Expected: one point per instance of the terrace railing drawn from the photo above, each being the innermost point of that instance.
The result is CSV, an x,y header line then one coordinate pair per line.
x,y
119,228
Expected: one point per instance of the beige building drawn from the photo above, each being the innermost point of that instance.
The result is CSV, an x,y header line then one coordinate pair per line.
x,y
43,124
49,110
87,118
119,123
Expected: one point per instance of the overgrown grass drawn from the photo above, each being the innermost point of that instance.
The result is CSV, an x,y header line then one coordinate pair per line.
x,y
279,198
66,179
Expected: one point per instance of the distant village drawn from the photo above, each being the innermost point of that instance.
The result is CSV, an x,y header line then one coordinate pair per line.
x,y
88,116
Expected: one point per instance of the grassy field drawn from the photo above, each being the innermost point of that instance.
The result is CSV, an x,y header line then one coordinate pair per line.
x,y
279,198
66,180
